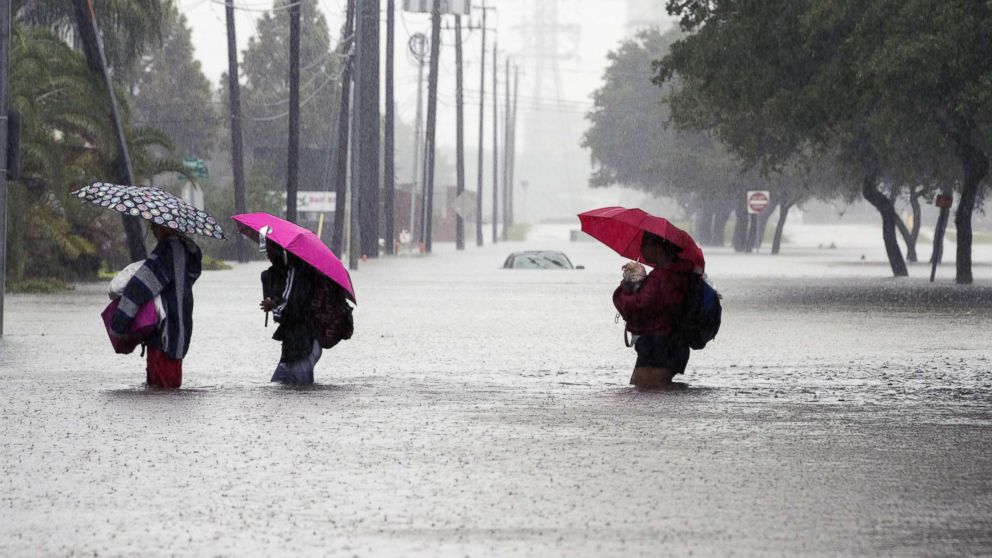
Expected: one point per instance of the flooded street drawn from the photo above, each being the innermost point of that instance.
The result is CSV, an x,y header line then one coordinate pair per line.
x,y
481,411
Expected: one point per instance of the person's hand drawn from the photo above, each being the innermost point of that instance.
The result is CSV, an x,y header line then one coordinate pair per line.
x,y
267,305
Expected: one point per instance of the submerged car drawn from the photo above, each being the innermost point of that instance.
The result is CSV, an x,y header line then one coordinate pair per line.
x,y
539,259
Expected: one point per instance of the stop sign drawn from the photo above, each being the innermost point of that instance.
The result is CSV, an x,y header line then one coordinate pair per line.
x,y
757,201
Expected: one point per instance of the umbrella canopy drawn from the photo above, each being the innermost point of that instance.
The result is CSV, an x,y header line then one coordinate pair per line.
x,y
152,204
622,229
299,241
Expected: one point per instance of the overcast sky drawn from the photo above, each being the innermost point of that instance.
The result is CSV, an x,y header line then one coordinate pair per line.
x,y
600,26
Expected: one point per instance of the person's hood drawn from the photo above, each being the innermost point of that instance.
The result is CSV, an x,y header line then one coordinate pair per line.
x,y
676,266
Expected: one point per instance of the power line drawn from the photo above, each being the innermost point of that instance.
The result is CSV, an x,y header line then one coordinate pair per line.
x,y
303,102
246,8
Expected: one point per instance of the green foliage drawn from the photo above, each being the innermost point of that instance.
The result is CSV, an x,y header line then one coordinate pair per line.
x,y
518,232
211,263
67,142
630,138
38,286
219,200
170,92
892,89
265,95
128,27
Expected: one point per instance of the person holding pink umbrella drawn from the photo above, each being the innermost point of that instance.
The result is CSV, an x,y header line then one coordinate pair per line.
x,y
287,287
307,289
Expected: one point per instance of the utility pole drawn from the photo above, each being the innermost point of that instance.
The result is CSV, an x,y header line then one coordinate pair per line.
x,y
482,113
389,174
4,76
506,154
347,50
431,121
417,45
512,153
367,138
354,228
293,160
495,142
237,145
366,87
459,133
123,173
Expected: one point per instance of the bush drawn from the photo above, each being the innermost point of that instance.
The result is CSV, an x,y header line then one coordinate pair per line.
x,y
43,285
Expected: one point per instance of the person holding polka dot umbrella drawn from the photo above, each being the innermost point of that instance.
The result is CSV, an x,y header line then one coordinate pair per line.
x,y
170,271
154,205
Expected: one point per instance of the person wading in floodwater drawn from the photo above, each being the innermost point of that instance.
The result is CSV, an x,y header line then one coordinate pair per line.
x,y
652,308
169,271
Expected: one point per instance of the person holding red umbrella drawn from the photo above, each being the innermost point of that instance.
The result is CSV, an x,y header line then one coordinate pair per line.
x,y
654,305
652,308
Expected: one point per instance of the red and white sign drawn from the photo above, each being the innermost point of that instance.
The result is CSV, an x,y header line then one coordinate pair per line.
x,y
757,201
942,201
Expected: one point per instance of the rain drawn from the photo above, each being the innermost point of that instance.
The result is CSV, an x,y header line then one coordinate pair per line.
x,y
831,191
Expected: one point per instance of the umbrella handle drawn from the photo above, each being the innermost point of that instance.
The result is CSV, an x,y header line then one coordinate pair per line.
x,y
266,319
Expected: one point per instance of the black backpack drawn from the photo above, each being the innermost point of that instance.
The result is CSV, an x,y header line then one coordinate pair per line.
x,y
702,313
330,313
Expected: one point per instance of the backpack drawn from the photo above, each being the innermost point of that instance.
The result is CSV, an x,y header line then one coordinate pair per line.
x,y
702,313
330,313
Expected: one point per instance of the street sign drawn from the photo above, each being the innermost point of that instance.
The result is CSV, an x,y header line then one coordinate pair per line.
x,y
757,201
196,167
193,195
944,202
454,7
463,206
315,201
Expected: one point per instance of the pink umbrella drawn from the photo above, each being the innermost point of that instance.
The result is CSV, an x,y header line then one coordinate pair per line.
x,y
299,241
622,229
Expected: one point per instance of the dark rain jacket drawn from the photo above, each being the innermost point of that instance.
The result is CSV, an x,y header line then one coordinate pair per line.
x,y
291,289
171,269
655,308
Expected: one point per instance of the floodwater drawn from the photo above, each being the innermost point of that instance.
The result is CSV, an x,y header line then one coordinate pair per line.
x,y
480,412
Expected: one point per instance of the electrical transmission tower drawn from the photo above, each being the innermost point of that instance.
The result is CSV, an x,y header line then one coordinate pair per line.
x,y
548,41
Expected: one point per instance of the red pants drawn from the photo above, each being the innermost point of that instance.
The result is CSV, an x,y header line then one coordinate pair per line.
x,y
163,371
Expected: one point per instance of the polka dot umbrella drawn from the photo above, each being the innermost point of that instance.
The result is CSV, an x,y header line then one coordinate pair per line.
x,y
152,204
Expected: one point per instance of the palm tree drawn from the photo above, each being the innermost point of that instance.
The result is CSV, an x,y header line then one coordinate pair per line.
x,y
129,27
132,26
67,141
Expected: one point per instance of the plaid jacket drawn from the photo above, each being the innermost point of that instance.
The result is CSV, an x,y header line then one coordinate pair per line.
x,y
170,271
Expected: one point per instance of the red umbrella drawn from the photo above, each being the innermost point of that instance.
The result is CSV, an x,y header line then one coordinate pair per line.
x,y
622,229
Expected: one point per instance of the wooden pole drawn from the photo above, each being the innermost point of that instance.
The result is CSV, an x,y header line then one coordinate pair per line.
x,y
237,145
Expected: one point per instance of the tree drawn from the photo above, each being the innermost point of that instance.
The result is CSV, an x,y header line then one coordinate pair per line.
x,y
129,27
265,94
67,142
633,144
934,63
170,92
850,79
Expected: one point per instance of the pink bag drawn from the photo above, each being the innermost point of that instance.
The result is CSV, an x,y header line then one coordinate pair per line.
x,y
144,324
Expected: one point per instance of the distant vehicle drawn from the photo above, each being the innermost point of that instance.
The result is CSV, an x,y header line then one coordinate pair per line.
x,y
539,259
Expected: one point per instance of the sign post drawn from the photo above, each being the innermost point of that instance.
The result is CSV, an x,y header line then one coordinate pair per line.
x,y
757,203
944,201
464,206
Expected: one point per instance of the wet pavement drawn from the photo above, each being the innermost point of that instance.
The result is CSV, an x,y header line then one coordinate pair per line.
x,y
480,412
